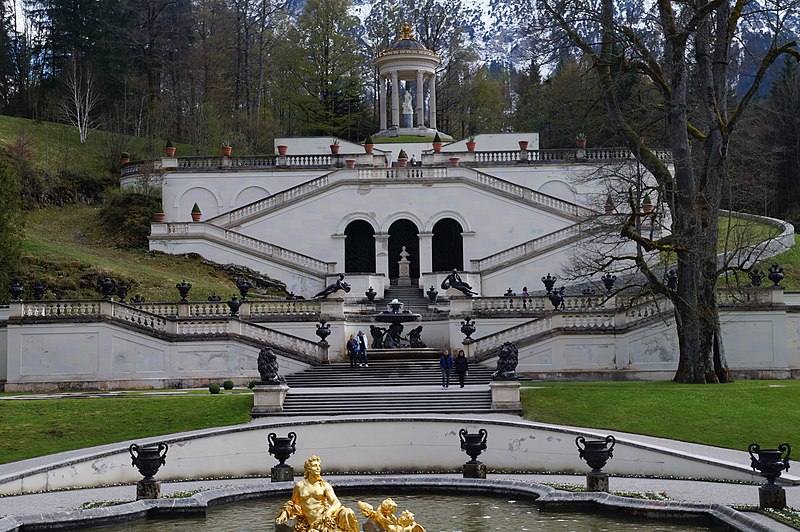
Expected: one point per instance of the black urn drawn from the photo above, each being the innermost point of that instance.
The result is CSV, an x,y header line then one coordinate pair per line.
x,y
371,293
234,305
549,282
16,288
38,289
282,448
183,289
596,452
323,331
608,281
107,287
671,279
138,298
775,274
770,462
756,276
473,444
244,286
467,328
433,294
557,298
214,298
122,290
148,459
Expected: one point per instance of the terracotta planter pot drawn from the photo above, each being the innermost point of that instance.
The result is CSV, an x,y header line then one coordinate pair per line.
x,y
454,161
226,151
402,163
124,160
350,163
159,217
368,148
647,208
523,145
334,149
196,216
437,147
282,149
169,151
471,146
580,143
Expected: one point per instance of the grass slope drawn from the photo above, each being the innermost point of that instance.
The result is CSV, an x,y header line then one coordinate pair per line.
x,y
726,415
65,248
31,428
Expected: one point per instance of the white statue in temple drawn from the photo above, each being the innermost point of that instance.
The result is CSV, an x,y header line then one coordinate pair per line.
x,y
408,104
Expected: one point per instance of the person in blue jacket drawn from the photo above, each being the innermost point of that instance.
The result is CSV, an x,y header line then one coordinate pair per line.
x,y
446,366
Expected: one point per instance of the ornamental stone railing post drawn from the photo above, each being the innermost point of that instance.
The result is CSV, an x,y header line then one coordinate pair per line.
x,y
107,308
461,306
332,309
244,309
776,295
15,309
184,310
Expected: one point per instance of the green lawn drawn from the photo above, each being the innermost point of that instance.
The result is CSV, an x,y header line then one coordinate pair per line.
x,y
728,415
32,428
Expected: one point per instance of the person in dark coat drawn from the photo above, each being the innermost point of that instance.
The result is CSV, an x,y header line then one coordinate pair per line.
x,y
352,350
446,366
362,348
461,366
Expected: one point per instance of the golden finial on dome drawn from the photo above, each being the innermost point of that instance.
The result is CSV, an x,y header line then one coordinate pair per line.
x,y
406,32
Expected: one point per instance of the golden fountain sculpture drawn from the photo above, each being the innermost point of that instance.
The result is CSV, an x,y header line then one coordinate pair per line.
x,y
315,506
384,519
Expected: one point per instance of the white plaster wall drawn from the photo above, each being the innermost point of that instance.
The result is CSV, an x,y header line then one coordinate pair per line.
x,y
495,142
3,353
380,445
793,339
317,145
53,353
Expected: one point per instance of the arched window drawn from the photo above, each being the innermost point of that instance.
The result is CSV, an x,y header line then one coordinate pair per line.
x,y
359,248
448,246
403,233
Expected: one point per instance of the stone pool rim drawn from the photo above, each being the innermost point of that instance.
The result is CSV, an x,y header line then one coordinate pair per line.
x,y
547,498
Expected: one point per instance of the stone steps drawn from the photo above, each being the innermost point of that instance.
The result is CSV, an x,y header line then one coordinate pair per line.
x,y
434,401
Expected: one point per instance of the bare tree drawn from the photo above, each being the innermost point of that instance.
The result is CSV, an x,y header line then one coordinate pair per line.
x,y
82,98
685,50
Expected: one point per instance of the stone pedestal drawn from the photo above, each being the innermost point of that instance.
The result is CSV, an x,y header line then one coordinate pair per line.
x,y
505,395
404,269
771,497
151,489
597,482
474,470
268,398
282,473
332,309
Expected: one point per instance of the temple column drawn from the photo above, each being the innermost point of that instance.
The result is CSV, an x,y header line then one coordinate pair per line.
x,y
432,105
420,100
395,99
425,255
382,102
382,256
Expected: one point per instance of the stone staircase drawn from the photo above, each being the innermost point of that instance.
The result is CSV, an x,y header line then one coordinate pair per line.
x,y
403,386
413,299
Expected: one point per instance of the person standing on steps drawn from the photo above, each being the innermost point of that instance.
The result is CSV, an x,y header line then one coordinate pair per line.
x,y
362,348
461,366
446,366
352,350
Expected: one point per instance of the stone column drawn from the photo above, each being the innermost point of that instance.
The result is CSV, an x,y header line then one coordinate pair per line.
x,y
382,102
425,255
466,238
395,99
340,249
420,86
432,104
382,254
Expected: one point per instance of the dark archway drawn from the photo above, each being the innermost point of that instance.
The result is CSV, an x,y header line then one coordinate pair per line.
x,y
359,248
448,246
403,233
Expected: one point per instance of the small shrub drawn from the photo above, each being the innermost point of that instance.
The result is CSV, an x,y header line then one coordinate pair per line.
x,y
437,138
196,209
252,384
402,155
228,384
213,389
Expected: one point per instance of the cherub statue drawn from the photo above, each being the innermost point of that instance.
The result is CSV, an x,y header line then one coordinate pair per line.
x,y
406,523
383,519
315,506
414,337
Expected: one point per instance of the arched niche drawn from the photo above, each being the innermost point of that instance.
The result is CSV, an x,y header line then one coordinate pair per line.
x,y
403,233
359,247
447,246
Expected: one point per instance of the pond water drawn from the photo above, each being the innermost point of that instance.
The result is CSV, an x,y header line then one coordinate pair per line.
x,y
437,513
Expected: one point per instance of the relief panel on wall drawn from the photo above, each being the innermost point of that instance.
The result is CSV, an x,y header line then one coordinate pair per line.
x,y
749,343
135,357
62,354
583,356
189,361
659,349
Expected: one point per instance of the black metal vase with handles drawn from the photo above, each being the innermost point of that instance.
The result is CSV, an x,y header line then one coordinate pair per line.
x,y
148,459
473,444
596,452
770,462
282,448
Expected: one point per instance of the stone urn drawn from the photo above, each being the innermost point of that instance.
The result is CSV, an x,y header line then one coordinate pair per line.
x,y
323,331
770,462
467,328
107,287
775,274
38,289
371,293
549,282
282,448
473,444
433,294
183,289
148,459
122,291
244,286
234,305
756,276
596,452
16,288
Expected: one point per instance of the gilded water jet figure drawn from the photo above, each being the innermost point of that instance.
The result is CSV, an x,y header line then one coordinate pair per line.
x,y
384,519
315,506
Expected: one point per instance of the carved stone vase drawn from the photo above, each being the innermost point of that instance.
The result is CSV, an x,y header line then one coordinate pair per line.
x,y
16,288
234,305
282,448
596,452
473,444
148,459
770,462
183,289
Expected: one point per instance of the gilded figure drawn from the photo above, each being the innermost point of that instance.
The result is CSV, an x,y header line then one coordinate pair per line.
x,y
384,518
